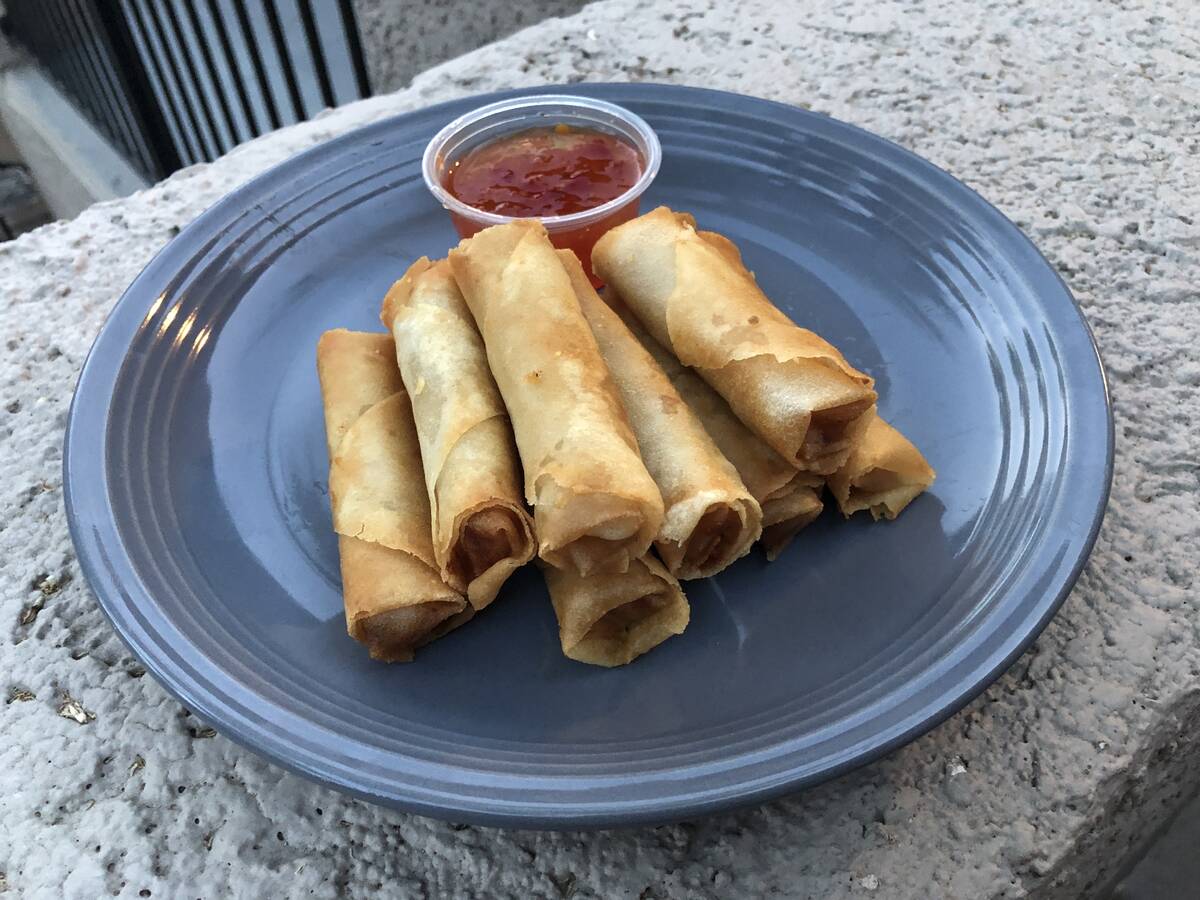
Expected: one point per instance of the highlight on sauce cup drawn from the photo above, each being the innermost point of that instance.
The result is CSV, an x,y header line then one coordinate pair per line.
x,y
577,231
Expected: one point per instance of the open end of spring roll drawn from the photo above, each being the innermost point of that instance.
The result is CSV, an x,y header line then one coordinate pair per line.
x,y
612,619
710,517
884,473
793,507
395,601
790,498
481,531
387,600
692,293
596,508
491,543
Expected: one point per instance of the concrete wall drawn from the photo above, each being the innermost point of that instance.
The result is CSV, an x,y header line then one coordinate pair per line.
x,y
73,164
402,38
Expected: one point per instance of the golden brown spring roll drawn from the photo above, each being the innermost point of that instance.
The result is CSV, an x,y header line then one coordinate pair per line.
x,y
612,619
481,531
692,292
790,498
710,518
794,507
884,473
595,507
395,600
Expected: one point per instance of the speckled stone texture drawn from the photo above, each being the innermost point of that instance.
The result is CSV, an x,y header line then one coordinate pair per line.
x,y
402,38
1080,123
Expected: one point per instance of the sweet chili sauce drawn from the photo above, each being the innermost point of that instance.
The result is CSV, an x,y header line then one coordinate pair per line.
x,y
545,172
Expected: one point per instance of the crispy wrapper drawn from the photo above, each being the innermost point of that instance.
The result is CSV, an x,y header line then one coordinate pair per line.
x,y
884,473
790,498
611,619
595,507
710,517
481,531
693,294
395,599
796,506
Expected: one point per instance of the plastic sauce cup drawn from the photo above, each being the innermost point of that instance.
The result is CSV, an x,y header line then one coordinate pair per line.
x,y
577,231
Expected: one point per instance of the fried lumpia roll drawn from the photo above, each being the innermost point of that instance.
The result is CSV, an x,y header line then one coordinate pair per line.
x,y
612,619
884,473
710,518
481,531
692,292
595,507
793,508
790,499
395,600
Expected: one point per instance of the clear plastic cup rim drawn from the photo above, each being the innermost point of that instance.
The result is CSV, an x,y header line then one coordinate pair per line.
x,y
607,116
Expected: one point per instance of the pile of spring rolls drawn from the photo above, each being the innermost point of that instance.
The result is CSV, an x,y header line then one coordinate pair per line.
x,y
656,434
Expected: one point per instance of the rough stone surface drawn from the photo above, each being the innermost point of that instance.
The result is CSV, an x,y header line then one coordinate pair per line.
x,y
1081,123
402,38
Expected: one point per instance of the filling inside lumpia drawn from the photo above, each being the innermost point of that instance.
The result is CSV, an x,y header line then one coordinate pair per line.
x,y
715,538
785,516
615,625
394,602
610,619
592,532
883,474
882,493
493,537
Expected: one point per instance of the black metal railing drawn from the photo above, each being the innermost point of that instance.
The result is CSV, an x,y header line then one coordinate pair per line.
x,y
174,82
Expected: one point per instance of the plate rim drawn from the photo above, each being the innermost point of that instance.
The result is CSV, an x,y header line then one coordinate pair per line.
x,y
84,499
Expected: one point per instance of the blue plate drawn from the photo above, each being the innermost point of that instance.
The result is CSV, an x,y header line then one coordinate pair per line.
x,y
196,469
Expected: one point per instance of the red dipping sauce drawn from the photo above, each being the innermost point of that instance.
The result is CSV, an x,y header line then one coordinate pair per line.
x,y
545,172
